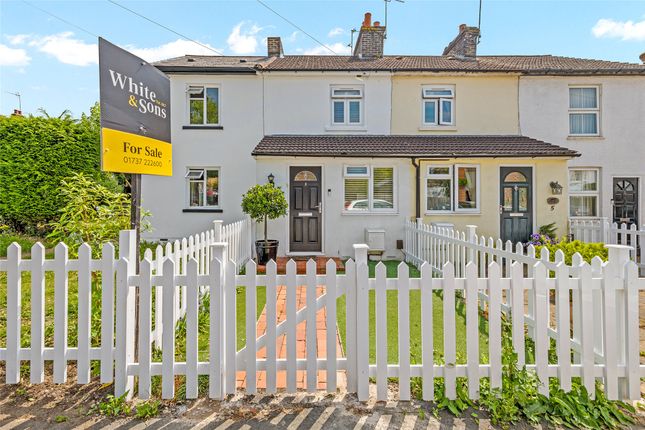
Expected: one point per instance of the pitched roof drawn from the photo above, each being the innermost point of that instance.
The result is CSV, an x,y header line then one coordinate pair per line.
x,y
408,146
525,64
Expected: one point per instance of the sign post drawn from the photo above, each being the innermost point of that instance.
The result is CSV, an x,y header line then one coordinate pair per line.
x,y
135,125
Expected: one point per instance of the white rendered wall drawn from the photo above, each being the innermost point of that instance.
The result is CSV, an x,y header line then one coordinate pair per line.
x,y
618,152
342,230
229,149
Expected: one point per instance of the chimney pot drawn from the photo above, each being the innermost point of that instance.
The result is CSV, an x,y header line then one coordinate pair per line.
x,y
367,22
642,57
462,28
377,23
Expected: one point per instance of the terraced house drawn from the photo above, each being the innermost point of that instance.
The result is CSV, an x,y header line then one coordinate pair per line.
x,y
361,143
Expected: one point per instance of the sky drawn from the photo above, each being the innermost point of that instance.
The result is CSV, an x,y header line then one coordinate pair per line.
x,y
53,64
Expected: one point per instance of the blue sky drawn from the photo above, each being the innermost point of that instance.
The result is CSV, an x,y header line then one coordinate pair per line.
x,y
53,65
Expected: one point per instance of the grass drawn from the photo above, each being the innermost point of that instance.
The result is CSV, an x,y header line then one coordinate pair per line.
x,y
415,321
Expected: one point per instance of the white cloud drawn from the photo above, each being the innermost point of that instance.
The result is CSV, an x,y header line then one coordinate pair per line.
x,y
625,30
66,49
338,47
336,31
243,42
17,39
293,36
13,57
173,49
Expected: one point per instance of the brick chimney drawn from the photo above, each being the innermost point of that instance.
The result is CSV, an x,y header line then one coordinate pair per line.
x,y
16,112
274,47
642,57
370,40
464,46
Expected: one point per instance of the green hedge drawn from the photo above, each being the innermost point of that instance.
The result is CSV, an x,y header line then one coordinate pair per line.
x,y
36,154
587,250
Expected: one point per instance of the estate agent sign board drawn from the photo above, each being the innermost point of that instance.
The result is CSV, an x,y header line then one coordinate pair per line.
x,y
135,114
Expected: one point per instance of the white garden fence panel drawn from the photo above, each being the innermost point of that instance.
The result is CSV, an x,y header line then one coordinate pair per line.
x,y
601,230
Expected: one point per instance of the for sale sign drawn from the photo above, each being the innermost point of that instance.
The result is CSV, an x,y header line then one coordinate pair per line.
x,y
135,114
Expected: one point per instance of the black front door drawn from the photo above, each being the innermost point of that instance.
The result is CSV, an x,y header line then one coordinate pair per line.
x,y
305,209
516,203
625,201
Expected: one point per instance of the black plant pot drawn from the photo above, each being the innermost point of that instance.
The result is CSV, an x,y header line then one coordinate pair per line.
x,y
266,250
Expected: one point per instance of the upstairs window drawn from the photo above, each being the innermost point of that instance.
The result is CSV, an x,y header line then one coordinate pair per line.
x,y
584,111
203,187
346,105
438,105
203,105
369,189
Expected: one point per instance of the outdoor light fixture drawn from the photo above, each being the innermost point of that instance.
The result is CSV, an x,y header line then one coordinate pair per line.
x,y
271,178
556,188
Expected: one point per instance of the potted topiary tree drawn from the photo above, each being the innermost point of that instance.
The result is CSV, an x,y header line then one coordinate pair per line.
x,y
262,203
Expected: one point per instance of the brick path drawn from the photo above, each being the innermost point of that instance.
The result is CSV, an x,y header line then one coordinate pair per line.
x,y
301,345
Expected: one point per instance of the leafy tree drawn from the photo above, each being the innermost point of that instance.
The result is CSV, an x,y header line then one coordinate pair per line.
x,y
264,202
36,154
93,214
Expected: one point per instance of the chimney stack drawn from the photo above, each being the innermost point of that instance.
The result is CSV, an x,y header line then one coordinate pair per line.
x,y
16,112
464,46
642,57
274,47
369,44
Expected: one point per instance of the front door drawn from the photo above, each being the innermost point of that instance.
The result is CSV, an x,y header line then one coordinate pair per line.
x,y
516,203
625,201
305,209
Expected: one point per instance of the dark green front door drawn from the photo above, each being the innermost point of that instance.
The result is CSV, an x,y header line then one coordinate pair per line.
x,y
516,203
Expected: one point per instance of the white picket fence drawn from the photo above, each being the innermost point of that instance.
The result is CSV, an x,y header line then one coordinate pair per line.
x,y
616,283
601,230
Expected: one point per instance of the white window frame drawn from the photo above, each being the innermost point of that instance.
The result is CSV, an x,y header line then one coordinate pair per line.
x,y
595,111
219,105
448,176
346,99
203,179
437,100
454,179
584,193
370,188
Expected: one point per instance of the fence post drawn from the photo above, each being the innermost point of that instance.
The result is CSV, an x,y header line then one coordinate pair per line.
x,y
127,250
217,229
217,346
362,322
605,230
618,258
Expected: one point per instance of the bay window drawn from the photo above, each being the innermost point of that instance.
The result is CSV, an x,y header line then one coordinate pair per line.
x,y
583,192
203,187
368,188
452,188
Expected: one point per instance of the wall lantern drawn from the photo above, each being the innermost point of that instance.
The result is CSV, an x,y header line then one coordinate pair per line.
x,y
556,188
271,178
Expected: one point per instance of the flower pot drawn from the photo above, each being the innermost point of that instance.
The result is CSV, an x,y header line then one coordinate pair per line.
x,y
266,250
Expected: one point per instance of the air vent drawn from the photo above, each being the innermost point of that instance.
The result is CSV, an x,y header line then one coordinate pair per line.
x,y
242,60
190,60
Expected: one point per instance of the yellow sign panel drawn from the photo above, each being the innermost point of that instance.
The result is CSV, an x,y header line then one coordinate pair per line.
x,y
130,153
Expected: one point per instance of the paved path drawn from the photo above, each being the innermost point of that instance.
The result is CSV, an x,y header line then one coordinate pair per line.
x,y
301,343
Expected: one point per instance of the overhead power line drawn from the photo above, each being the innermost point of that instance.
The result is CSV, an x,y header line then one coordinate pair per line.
x,y
296,26
59,18
164,27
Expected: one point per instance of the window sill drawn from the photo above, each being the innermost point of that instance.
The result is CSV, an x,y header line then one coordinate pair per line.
x,y
202,127
204,210
452,213
369,213
438,128
346,128
585,137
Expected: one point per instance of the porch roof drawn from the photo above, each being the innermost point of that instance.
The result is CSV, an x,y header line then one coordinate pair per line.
x,y
404,146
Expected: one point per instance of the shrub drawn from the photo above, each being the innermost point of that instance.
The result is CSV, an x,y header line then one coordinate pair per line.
x,y
36,153
587,250
93,214
264,202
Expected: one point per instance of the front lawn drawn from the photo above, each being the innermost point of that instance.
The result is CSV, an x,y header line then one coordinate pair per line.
x,y
415,321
